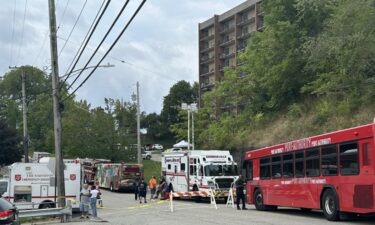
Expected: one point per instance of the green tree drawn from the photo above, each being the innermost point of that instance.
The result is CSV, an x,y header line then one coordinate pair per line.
x,y
9,144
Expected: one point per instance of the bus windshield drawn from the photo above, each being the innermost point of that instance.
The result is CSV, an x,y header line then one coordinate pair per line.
x,y
220,170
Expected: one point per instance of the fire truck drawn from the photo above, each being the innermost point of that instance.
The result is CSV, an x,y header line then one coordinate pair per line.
x,y
32,185
118,176
199,170
89,167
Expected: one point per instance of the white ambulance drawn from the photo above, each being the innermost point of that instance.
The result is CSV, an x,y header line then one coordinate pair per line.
x,y
199,170
32,185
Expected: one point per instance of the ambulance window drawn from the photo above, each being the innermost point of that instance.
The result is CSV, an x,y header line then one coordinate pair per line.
x,y
3,187
201,171
169,166
182,166
22,193
175,169
193,170
195,161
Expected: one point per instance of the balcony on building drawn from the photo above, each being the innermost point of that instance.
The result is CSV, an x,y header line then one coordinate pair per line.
x,y
206,86
244,35
226,41
207,37
206,59
206,49
207,72
245,21
227,29
226,55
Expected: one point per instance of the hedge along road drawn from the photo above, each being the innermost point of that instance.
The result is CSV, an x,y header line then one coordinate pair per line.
x,y
121,209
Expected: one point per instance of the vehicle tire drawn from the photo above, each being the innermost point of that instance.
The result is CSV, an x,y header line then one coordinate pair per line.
x,y
258,200
111,188
330,205
197,198
148,157
46,205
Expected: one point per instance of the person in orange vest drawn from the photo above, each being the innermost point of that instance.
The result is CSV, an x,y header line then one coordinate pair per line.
x,y
152,185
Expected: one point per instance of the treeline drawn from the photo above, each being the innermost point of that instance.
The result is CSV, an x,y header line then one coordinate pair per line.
x,y
108,131
311,70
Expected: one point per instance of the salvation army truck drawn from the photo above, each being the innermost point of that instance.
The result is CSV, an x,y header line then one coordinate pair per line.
x,y
32,185
199,170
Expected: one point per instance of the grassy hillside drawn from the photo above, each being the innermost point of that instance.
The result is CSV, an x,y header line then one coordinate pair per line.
x,y
151,168
308,119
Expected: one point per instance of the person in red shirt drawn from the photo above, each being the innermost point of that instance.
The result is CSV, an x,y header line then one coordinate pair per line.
x,y
152,185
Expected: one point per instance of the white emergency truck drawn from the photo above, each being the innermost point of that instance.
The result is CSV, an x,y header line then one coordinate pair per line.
x,y
199,170
32,185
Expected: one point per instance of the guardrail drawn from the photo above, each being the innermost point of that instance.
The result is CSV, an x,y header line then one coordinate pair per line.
x,y
64,213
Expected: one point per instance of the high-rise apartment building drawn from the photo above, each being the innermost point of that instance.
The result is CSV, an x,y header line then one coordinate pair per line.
x,y
222,37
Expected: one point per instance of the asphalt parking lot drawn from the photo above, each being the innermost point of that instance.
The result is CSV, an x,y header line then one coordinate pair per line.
x,y
122,209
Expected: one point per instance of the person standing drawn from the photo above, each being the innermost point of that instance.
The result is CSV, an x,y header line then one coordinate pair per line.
x,y
160,187
152,185
142,191
93,198
240,184
135,187
85,201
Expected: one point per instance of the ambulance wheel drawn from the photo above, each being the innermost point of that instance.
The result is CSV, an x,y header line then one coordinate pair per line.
x,y
330,205
46,205
111,187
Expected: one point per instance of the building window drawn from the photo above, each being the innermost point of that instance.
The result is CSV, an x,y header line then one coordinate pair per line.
x,y
349,159
312,163
329,161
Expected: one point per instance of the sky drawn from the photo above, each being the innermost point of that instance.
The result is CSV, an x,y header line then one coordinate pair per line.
x,y
159,48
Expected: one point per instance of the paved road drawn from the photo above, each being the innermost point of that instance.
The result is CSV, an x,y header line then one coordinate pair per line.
x,y
121,209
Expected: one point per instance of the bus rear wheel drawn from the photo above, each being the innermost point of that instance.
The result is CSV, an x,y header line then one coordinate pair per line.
x,y
330,205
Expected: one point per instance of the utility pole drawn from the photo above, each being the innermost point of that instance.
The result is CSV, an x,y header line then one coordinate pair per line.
x,y
59,165
192,130
24,115
188,127
139,154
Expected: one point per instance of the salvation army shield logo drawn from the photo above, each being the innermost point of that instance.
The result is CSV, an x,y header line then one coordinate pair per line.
x,y
73,177
17,177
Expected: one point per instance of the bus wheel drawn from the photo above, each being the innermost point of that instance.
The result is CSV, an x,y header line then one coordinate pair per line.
x,y
330,205
258,200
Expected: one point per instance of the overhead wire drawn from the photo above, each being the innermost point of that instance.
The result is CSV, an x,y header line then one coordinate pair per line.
x,y
101,42
109,50
86,40
23,29
13,24
74,26
63,14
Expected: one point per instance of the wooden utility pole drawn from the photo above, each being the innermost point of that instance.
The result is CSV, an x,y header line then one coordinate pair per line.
x,y
24,115
59,165
139,153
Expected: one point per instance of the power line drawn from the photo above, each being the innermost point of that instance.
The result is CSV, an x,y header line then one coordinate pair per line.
x,y
86,40
23,29
14,21
101,42
74,26
63,14
113,44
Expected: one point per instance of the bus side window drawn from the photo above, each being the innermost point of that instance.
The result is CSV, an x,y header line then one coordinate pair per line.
x,y
366,154
249,169
349,159
276,167
288,170
299,164
265,168
329,160
312,162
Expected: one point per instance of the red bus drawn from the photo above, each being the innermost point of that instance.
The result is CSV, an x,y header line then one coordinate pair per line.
x,y
333,172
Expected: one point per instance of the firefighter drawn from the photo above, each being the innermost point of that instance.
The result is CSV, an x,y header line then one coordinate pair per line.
x,y
240,184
